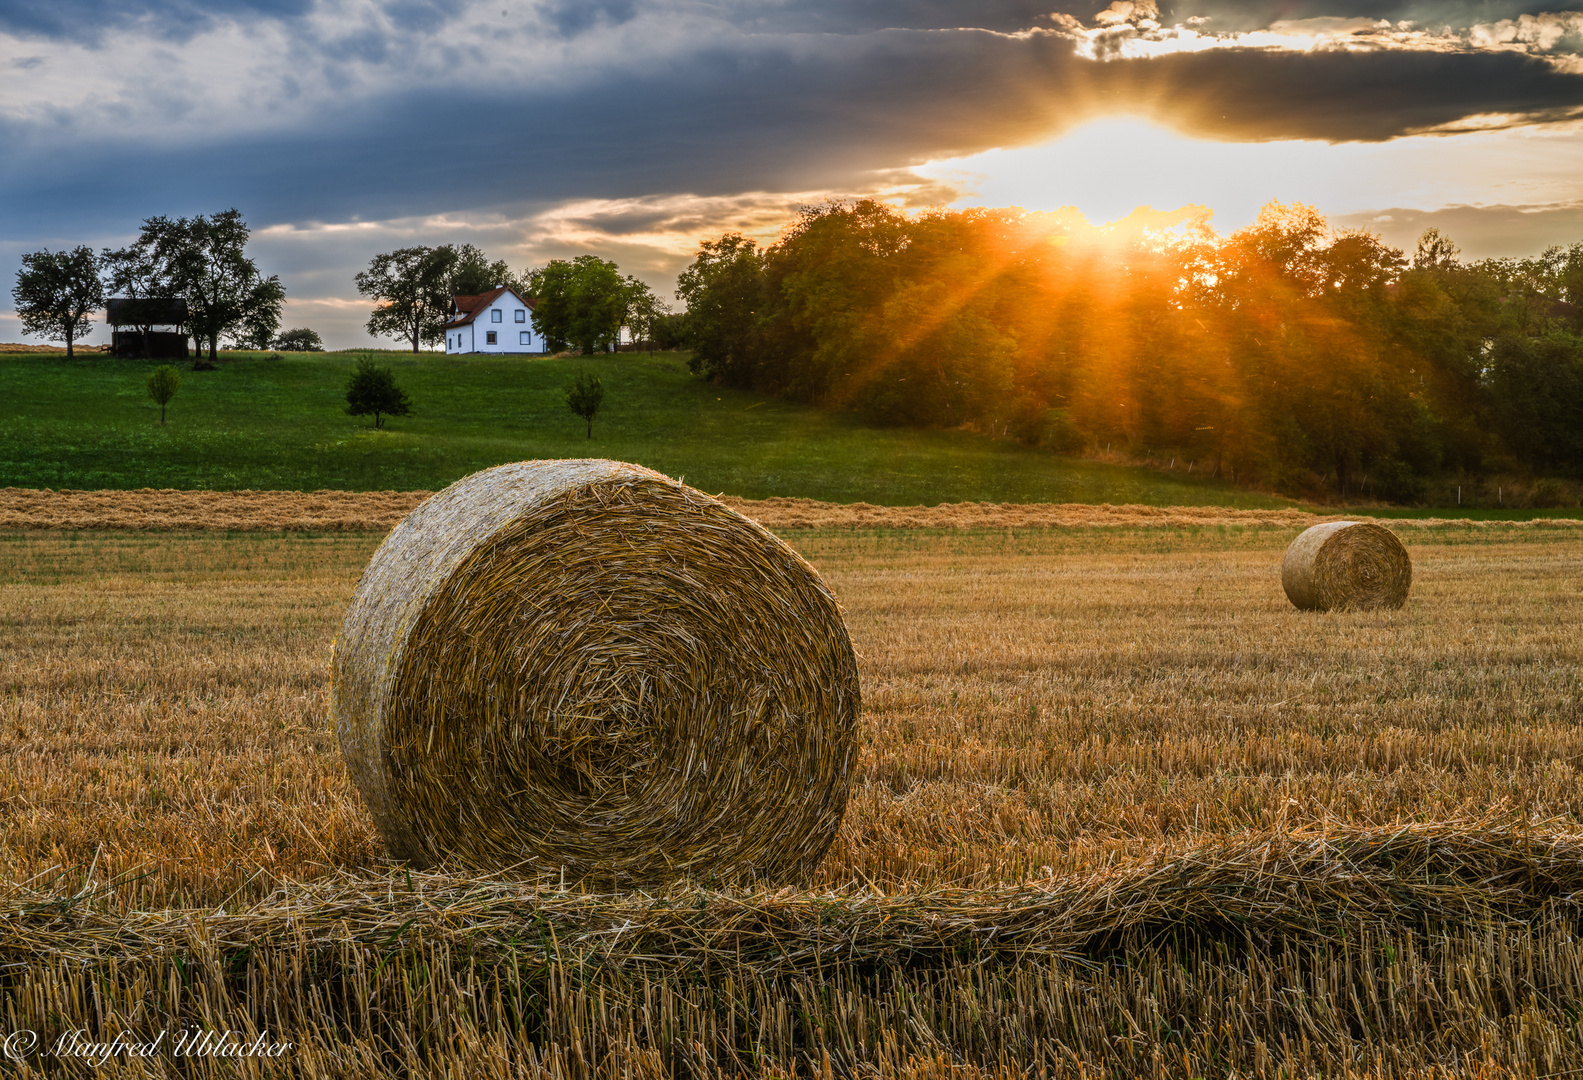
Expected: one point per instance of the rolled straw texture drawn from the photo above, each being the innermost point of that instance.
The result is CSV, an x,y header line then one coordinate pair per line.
x,y
586,665
1346,566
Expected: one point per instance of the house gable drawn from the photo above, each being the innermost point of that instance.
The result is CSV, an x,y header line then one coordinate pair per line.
x,y
467,309
494,322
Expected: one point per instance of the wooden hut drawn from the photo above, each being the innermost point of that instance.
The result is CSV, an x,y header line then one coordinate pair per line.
x,y
156,326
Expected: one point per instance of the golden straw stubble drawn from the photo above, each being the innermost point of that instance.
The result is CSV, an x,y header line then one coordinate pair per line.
x,y
586,666
1346,566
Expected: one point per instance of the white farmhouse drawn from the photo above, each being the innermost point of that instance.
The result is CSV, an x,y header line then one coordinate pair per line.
x,y
496,322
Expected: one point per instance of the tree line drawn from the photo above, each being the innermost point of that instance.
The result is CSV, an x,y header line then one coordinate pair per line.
x,y
201,260
1286,353
582,302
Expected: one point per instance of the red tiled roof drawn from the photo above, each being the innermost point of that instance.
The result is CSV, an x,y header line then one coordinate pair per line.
x,y
466,308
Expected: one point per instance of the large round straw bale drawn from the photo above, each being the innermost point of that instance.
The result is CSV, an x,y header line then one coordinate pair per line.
x,y
586,667
1346,565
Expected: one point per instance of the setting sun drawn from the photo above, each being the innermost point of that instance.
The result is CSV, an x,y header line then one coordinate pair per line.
x,y
1107,168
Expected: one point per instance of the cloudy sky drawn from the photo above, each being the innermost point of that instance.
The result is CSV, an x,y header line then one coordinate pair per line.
x,y
631,128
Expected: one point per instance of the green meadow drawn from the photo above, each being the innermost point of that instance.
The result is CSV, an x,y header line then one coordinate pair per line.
x,y
263,424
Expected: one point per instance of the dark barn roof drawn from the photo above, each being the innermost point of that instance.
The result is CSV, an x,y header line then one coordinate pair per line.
x,y
148,311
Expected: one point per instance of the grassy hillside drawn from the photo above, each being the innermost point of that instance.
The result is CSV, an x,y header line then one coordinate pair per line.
x,y
279,424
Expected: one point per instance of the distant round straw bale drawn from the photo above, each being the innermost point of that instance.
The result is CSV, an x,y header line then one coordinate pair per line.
x,y
587,665
1346,565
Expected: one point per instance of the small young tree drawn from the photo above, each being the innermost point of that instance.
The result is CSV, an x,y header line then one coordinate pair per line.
x,y
584,396
162,384
55,291
372,390
299,340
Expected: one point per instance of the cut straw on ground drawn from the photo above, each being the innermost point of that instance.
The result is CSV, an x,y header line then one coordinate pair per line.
x,y
1431,951
1254,891
378,511
1206,808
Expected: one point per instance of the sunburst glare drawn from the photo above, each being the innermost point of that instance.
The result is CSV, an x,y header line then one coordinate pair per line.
x,y
1108,167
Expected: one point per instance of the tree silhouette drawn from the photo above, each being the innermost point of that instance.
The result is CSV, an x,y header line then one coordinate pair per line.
x,y
55,291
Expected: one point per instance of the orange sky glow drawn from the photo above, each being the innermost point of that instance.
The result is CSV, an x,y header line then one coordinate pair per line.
x,y
1108,167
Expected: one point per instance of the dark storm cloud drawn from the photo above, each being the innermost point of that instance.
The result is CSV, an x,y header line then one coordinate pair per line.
x,y
714,120
717,121
731,102
750,115
1337,96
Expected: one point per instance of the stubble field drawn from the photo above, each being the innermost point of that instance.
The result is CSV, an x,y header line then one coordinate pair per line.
x,y
1119,810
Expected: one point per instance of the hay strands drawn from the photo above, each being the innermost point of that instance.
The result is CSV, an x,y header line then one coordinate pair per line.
x,y
585,664
1253,889
1346,566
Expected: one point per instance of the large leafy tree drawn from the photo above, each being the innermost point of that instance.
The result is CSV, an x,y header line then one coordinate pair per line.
x,y
724,288
583,302
834,270
412,288
551,288
55,291
1537,388
204,259
471,272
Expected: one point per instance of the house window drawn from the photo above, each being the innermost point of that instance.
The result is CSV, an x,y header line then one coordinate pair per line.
x,y
489,337
522,316
525,338
495,314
